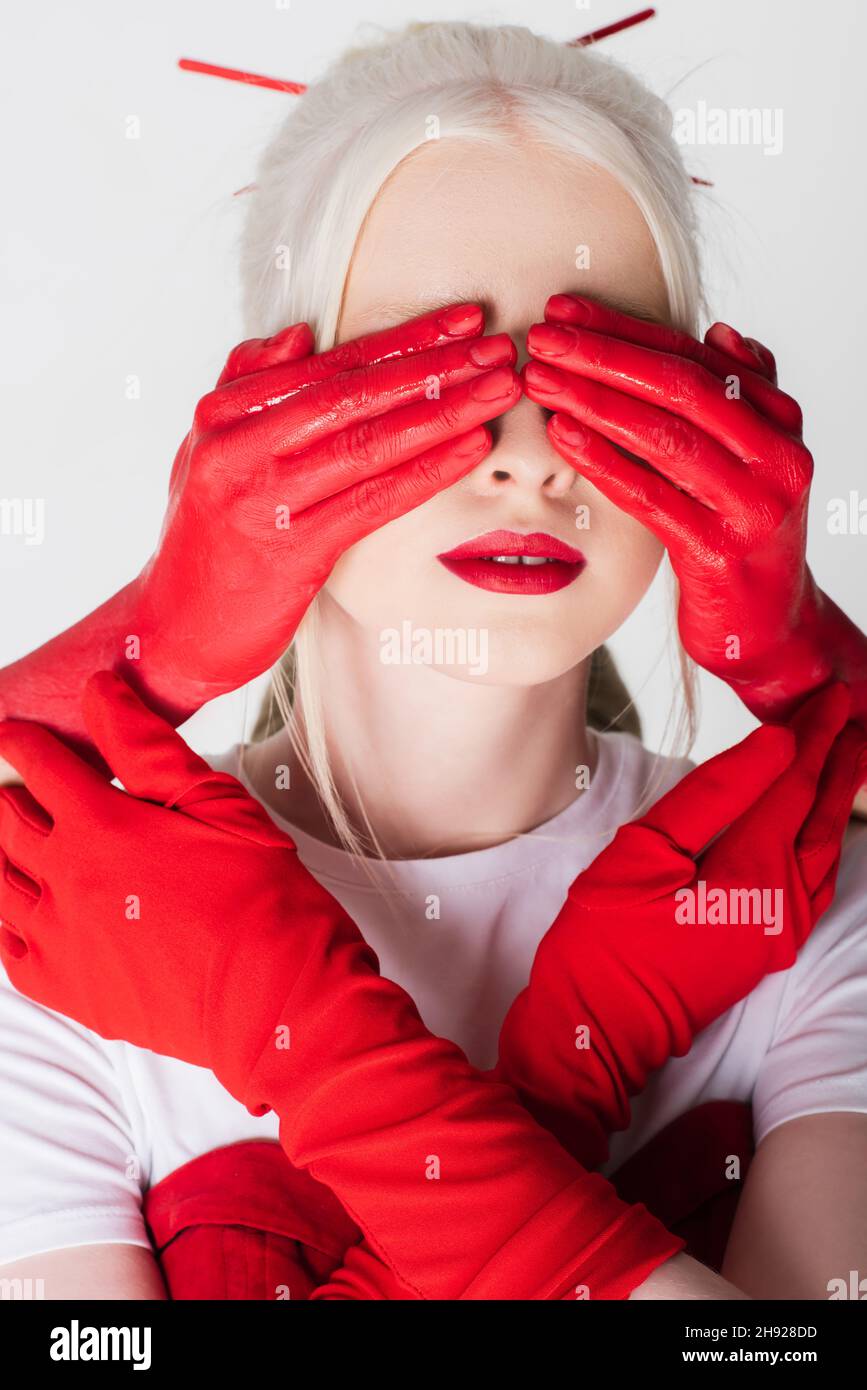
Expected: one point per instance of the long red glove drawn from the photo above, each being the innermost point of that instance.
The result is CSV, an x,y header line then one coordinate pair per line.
x,y
290,460
720,474
618,986
185,923
623,980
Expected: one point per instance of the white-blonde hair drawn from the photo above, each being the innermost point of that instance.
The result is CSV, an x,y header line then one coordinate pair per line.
x,y
320,174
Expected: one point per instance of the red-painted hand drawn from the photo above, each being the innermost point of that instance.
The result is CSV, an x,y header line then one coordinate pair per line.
x,y
696,441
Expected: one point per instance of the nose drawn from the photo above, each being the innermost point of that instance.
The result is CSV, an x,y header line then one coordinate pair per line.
x,y
523,457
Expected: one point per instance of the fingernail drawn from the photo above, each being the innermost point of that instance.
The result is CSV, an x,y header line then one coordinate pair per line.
x,y
553,341
543,378
738,337
463,318
494,386
568,429
566,306
288,332
490,352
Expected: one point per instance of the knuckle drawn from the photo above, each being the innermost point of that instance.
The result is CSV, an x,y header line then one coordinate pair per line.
x,y
792,410
342,357
772,511
368,443
802,467
346,398
683,382
215,463
672,441
429,470
205,413
450,417
235,360
372,500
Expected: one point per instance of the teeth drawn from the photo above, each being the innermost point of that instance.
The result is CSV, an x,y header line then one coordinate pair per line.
x,y
519,559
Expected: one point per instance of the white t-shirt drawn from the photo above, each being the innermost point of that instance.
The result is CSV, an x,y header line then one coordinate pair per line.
x,y
86,1126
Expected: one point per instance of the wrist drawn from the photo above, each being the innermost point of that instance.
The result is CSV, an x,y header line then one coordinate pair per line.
x,y
844,647
151,658
823,645
45,685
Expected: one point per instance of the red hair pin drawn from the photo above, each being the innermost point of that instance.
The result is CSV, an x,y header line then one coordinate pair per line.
x,y
616,28
279,84
255,79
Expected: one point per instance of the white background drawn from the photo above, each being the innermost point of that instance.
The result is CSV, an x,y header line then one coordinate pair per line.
x,y
120,259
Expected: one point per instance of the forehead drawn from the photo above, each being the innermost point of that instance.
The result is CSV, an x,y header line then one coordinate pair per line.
x,y
506,225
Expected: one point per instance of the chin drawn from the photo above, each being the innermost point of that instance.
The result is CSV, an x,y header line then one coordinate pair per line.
x,y
518,658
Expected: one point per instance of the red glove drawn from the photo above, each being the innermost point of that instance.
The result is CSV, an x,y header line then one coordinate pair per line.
x,y
622,982
639,986
290,460
185,923
722,482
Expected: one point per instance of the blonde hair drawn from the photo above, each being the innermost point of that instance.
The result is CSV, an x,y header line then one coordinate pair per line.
x,y
320,174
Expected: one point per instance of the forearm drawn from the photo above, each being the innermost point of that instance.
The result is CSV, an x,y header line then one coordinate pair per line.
x,y
576,1066
683,1278
825,646
458,1191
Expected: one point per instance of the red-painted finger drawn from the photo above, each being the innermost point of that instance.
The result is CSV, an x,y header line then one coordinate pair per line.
x,y
331,405
729,341
257,354
756,383
332,526
782,409
371,447
458,323
578,311
682,385
767,357
633,487
677,449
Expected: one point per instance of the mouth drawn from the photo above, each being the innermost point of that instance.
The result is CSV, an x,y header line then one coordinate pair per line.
x,y
508,563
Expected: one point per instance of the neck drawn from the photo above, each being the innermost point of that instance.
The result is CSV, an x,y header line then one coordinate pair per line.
x,y
435,765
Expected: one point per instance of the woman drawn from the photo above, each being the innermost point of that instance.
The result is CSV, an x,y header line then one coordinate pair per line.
x,y
440,763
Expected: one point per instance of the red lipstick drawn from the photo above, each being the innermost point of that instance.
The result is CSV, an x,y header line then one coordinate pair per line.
x,y
508,563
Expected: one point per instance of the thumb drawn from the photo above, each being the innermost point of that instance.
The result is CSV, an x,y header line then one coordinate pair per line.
x,y
718,792
155,764
143,751
820,839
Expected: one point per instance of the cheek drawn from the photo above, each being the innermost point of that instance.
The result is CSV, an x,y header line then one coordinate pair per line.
x,y
390,575
623,555
631,554
620,572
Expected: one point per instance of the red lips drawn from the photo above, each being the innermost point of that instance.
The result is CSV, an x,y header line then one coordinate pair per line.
x,y
474,562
